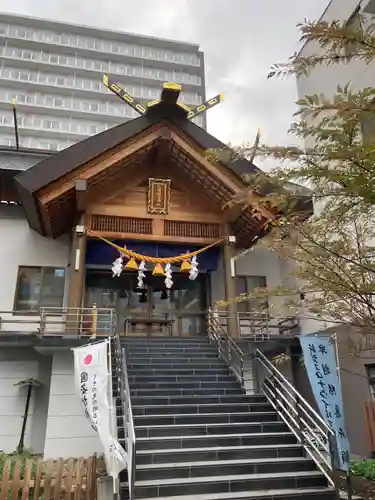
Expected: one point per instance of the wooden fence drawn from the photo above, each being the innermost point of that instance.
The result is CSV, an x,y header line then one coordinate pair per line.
x,y
34,479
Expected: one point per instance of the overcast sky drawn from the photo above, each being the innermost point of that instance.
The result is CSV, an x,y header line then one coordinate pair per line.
x,y
240,39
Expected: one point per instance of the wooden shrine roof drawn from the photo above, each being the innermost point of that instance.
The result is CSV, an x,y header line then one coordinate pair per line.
x,y
54,214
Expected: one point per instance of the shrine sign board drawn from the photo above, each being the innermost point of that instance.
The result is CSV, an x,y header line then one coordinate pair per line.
x,y
159,195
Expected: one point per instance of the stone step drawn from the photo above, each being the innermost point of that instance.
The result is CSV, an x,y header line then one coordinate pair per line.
x,y
175,354
190,455
207,429
223,467
167,340
189,399
229,383
180,391
196,408
175,362
321,493
188,349
180,379
199,437
204,441
204,418
228,483
180,371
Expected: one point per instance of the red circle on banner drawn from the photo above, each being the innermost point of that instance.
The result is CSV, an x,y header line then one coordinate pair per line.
x,y
87,359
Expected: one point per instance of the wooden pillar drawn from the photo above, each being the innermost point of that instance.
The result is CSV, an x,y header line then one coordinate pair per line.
x,y
77,265
78,254
230,288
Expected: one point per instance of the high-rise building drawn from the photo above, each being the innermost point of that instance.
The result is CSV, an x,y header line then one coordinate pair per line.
x,y
54,71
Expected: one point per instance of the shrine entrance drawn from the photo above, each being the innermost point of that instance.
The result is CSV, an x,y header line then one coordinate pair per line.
x,y
153,310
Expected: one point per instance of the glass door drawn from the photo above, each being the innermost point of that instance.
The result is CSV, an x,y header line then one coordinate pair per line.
x,y
137,307
180,311
192,306
163,309
103,298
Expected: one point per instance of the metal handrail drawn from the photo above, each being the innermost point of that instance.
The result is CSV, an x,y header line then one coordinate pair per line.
x,y
58,321
129,431
226,346
260,326
306,424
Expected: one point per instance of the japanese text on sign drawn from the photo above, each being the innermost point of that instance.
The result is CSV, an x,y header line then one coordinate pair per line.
x,y
320,362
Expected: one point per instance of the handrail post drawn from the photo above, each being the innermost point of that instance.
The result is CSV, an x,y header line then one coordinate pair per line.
x,y
242,373
299,422
238,324
94,321
42,325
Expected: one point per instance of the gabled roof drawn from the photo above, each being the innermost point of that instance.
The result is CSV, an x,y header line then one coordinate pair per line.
x,y
166,112
59,164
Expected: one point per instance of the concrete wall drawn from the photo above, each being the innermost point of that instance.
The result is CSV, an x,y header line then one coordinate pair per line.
x,y
68,431
16,365
325,79
259,262
262,262
21,246
355,385
41,402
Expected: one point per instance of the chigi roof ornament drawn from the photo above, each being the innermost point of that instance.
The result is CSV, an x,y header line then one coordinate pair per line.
x,y
169,95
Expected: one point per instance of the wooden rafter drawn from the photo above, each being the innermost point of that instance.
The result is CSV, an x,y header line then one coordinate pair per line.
x,y
100,167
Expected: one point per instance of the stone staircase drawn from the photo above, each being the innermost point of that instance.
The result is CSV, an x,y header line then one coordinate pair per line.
x,y
199,437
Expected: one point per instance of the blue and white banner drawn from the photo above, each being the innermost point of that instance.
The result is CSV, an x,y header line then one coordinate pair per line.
x,y
320,362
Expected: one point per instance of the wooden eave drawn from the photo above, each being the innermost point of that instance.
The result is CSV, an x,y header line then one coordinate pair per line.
x,y
57,201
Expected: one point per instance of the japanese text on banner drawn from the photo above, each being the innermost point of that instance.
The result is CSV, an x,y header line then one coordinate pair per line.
x,y
320,362
91,375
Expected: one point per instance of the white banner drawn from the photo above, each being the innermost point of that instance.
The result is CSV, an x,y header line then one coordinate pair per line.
x,y
92,375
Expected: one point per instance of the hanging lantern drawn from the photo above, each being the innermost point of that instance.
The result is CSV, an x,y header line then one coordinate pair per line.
x,y
131,265
158,270
185,266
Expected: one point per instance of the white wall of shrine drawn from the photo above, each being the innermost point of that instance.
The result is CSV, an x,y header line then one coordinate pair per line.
x,y
257,262
68,432
18,364
21,246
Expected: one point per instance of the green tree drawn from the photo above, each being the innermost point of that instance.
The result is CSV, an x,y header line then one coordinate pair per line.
x,y
334,250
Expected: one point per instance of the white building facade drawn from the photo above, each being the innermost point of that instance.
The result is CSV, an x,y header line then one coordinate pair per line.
x,y
323,79
54,71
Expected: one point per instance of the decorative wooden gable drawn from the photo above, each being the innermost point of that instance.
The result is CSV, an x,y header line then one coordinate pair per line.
x,y
193,204
189,215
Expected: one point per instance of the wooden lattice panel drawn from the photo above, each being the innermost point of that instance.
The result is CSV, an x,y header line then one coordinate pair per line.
x,y
192,229
115,224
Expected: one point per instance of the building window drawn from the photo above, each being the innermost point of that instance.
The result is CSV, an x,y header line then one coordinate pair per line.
x,y
245,285
370,371
39,287
60,80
